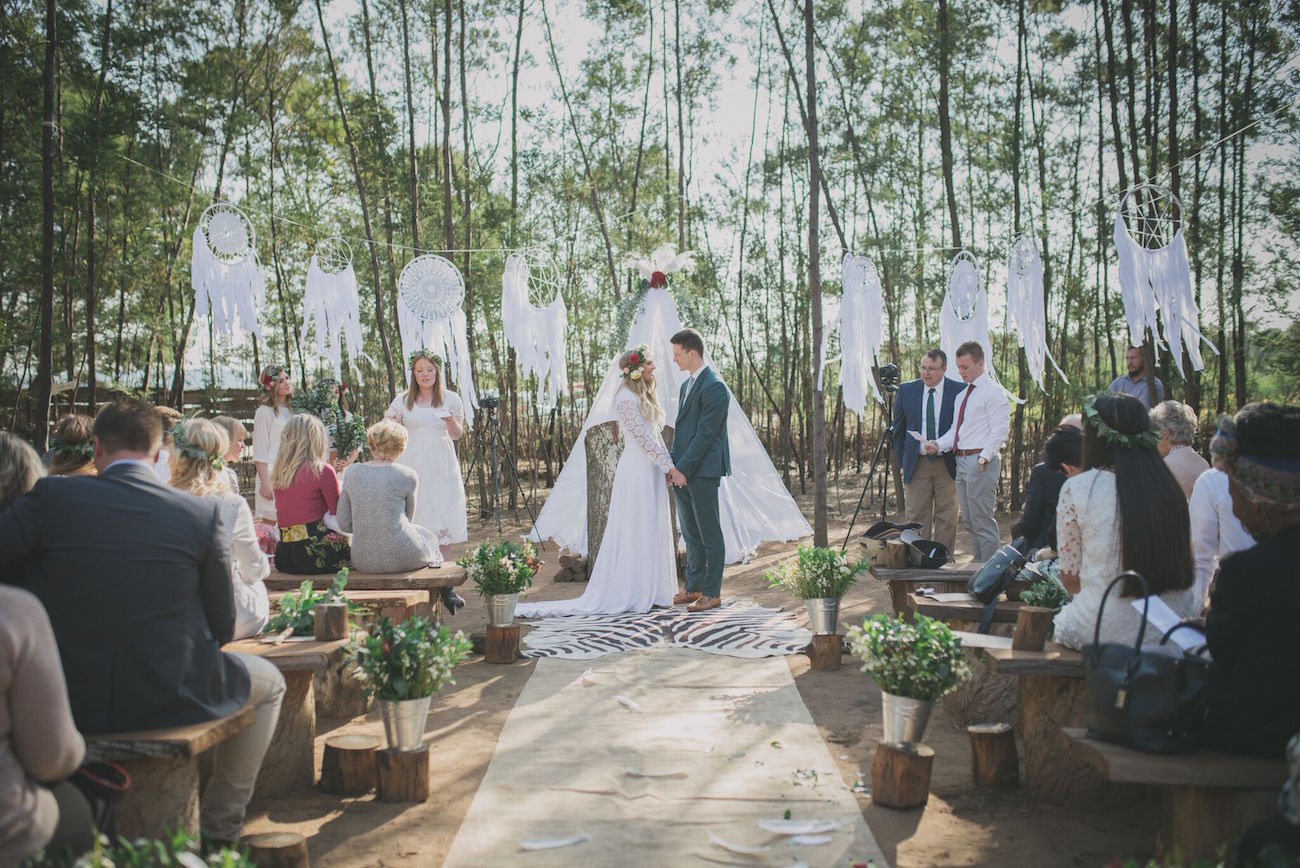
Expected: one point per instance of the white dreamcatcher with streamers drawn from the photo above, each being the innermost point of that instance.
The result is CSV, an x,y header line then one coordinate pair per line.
x,y
857,326
1155,276
534,319
229,283
1025,306
965,314
430,317
332,308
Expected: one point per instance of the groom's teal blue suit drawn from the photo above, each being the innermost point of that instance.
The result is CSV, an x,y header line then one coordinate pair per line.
x,y
700,451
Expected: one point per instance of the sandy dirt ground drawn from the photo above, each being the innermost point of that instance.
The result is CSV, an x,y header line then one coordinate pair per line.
x,y
961,825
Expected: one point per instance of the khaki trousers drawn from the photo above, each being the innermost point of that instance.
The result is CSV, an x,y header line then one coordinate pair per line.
x,y
932,500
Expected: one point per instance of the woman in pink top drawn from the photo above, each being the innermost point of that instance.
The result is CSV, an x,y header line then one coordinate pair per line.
x,y
306,490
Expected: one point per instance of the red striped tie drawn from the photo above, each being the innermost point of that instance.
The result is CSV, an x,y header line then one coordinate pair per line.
x,y
961,414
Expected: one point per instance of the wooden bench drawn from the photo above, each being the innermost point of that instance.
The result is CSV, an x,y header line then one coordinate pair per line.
x,y
903,583
1209,798
963,611
164,769
395,605
426,579
290,760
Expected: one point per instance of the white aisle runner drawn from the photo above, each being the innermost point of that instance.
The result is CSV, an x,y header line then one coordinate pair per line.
x,y
648,756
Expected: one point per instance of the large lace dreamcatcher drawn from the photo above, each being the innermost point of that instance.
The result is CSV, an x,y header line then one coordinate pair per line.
x,y
1025,306
332,309
965,314
430,317
858,326
535,320
229,283
1155,275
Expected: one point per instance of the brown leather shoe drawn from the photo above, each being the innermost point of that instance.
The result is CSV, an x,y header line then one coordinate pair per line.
x,y
683,597
703,604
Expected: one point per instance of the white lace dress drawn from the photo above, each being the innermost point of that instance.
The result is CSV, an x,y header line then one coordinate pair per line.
x,y
267,427
1088,535
637,566
431,453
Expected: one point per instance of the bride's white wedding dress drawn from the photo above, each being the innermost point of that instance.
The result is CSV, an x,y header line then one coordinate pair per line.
x,y
636,569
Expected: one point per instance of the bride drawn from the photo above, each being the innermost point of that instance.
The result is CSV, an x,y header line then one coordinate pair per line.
x,y
637,567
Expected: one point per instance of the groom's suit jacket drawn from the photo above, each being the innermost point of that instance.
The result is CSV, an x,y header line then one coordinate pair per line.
x,y
700,447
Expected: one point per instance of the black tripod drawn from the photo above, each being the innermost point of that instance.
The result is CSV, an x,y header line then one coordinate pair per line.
x,y
488,403
889,377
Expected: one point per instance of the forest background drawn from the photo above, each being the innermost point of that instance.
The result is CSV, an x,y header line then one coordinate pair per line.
x,y
583,133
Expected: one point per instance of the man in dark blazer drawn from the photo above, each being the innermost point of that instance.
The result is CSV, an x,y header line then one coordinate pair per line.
x,y
136,579
925,407
701,457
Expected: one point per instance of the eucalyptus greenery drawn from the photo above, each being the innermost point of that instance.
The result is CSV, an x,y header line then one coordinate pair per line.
x,y
688,309
501,567
921,660
299,610
410,660
816,573
1047,591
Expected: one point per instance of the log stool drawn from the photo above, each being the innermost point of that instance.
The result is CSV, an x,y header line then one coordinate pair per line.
x,y
331,621
348,767
993,758
824,652
1032,626
403,775
900,775
502,645
277,850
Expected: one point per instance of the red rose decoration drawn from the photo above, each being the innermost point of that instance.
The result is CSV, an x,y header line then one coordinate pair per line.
x,y
266,382
658,280
634,359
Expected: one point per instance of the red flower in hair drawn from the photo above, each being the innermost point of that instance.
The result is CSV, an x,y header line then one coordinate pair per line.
x,y
658,280
266,381
634,358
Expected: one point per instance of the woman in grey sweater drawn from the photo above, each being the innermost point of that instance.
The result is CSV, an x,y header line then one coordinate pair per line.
x,y
376,506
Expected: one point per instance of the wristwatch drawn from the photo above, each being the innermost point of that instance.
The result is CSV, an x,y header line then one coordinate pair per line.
x,y
983,461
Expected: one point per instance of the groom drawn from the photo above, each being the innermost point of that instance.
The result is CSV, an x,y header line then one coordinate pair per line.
x,y
701,457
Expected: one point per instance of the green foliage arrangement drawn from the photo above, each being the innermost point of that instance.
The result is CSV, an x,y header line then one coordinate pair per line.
x,y
501,567
299,610
1047,592
348,434
816,573
173,850
921,660
410,660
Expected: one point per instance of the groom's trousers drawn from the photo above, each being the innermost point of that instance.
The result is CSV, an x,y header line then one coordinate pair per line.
x,y
697,514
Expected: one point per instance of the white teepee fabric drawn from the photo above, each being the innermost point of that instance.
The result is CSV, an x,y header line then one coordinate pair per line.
x,y
754,504
1160,279
1025,307
446,336
859,324
537,334
231,292
332,312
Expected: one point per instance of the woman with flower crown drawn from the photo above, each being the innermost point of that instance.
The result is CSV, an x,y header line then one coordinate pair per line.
x,y
434,418
637,566
268,424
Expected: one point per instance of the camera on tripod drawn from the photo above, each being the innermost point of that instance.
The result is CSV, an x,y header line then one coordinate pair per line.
x,y
490,400
890,378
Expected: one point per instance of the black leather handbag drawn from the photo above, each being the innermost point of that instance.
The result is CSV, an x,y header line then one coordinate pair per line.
x,y
1149,698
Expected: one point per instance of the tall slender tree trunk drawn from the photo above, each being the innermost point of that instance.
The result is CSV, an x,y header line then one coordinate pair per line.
x,y
681,129
945,121
410,127
1222,397
815,287
45,360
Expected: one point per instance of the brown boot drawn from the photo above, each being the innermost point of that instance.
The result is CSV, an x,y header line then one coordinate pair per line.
x,y
685,597
703,604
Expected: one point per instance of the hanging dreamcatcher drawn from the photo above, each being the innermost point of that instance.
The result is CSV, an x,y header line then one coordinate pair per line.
x,y
229,283
332,308
1155,277
534,320
430,317
965,314
1025,306
857,328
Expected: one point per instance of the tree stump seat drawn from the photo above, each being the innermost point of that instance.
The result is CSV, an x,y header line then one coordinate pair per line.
x,y
164,769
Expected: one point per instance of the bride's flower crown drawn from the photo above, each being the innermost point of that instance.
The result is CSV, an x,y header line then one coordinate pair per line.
x,y
635,362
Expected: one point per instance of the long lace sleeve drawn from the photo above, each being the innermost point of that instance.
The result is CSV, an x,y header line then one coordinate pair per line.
x,y
1069,537
637,431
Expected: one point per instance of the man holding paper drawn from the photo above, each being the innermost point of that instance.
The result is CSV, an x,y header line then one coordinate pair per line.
x,y
922,415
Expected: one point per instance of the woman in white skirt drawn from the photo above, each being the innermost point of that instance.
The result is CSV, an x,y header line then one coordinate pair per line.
x,y
434,419
268,422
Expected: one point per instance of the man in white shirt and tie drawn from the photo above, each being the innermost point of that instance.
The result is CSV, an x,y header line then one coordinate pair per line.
x,y
976,438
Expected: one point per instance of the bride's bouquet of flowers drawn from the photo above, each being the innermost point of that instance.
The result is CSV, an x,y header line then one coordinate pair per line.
x,y
501,567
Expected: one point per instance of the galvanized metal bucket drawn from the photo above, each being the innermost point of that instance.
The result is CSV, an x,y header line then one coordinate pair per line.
x,y
404,721
823,615
905,718
501,609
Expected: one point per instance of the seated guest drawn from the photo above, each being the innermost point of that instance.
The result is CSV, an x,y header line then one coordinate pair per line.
x,y
306,491
20,467
1061,460
1123,512
197,447
1254,703
1176,425
168,418
39,743
135,577
238,435
72,451
376,507
1216,531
